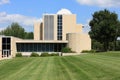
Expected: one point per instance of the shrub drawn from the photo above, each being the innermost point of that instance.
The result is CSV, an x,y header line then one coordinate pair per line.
x,y
54,54
66,50
88,51
18,54
47,54
44,54
34,54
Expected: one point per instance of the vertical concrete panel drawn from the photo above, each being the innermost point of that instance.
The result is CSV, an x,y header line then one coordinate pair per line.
x,y
85,42
37,31
69,24
13,47
55,27
48,27
78,28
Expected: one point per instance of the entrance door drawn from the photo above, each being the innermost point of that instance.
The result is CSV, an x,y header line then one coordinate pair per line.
x,y
6,53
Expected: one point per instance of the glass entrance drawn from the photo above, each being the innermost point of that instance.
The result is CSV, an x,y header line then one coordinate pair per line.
x,y
6,53
6,47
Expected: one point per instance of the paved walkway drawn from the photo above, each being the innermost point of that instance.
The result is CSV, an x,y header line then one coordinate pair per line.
x,y
71,54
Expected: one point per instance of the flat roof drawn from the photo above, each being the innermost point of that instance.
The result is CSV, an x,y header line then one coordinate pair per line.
x,y
41,41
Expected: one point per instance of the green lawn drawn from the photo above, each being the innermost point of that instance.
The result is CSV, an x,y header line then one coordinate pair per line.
x,y
84,67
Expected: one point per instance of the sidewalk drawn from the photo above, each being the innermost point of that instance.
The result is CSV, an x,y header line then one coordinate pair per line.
x,y
71,54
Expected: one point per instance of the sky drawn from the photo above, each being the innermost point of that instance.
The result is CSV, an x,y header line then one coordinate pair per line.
x,y
26,12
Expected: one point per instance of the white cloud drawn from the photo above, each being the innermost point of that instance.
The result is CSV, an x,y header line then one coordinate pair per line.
x,y
26,21
4,2
100,3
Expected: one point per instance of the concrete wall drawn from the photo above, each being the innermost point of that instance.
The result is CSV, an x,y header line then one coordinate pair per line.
x,y
37,31
78,28
13,46
55,27
70,25
79,41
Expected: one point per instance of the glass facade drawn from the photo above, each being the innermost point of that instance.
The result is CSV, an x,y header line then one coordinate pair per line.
x,y
59,27
40,47
6,45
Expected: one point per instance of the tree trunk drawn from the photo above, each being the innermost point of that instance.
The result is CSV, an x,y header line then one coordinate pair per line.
x,y
106,46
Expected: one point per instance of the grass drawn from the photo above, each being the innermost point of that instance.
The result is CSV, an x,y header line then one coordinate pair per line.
x,y
104,66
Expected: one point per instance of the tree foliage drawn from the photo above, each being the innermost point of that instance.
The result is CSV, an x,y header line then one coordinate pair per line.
x,y
28,35
104,27
17,31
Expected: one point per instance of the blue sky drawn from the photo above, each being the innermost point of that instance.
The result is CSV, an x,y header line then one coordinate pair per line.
x,y
25,12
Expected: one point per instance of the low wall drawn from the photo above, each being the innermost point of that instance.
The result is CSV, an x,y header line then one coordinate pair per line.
x,y
60,54
70,54
29,53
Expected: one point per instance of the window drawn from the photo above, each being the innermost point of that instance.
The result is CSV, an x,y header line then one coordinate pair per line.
x,y
59,27
40,47
6,45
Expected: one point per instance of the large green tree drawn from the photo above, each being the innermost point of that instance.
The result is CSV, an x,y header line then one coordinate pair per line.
x,y
17,31
28,35
104,27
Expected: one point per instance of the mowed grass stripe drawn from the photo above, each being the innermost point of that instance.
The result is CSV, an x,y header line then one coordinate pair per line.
x,y
2,62
47,73
112,54
36,72
28,72
83,67
76,72
22,71
106,60
93,70
60,72
65,70
56,70
105,57
103,70
12,66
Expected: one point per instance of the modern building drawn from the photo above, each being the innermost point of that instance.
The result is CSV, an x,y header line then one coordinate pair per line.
x,y
54,32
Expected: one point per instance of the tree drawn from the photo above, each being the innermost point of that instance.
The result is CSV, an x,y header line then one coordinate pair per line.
x,y
28,35
103,27
17,31
97,45
14,30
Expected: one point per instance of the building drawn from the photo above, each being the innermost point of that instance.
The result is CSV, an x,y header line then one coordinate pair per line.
x,y
53,33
